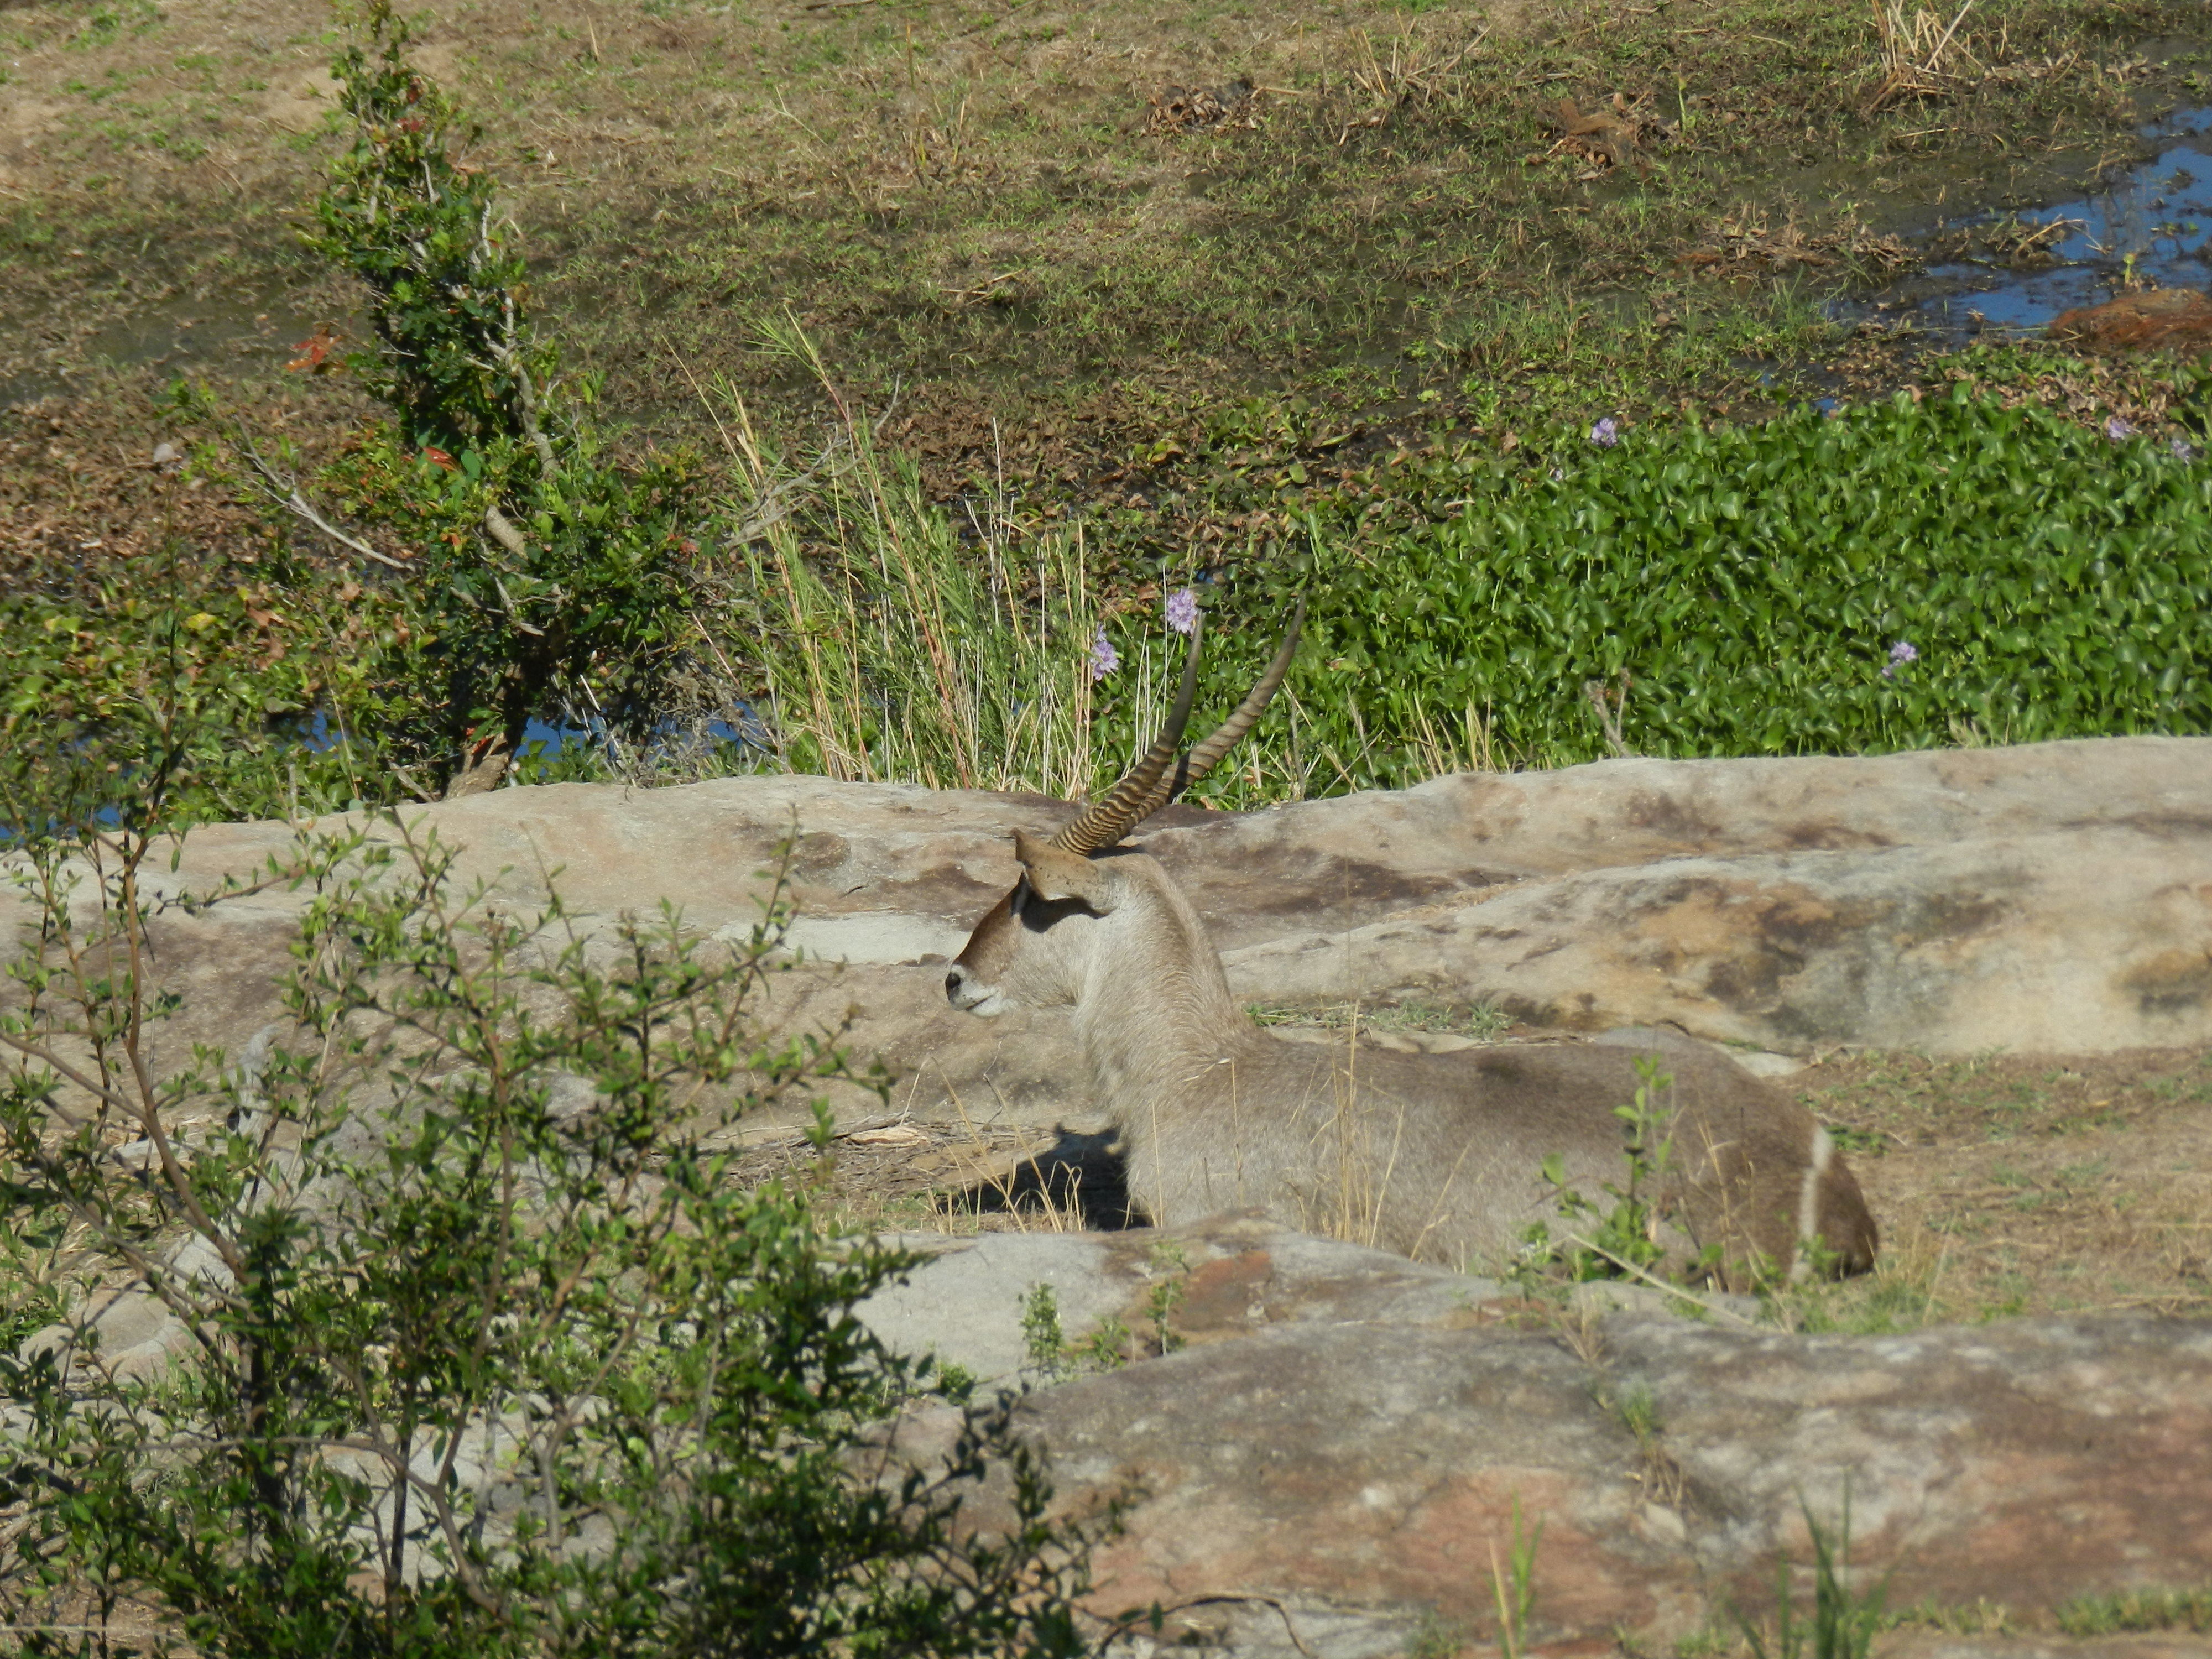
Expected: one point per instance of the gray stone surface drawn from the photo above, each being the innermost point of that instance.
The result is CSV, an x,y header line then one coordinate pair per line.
x,y
1230,1275
129,1335
1339,1446
1340,1439
964,1304
2054,897
1330,1462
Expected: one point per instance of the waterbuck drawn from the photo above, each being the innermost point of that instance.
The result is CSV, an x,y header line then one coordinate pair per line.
x,y
1437,1155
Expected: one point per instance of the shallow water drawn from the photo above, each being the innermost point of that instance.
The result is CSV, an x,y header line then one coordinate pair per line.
x,y
188,333
2152,223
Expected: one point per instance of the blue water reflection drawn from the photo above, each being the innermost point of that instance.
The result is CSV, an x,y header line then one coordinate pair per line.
x,y
2151,222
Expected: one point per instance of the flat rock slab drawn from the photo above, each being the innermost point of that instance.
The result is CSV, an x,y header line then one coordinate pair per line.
x,y
2104,936
2024,1462
2052,897
1330,1465
965,1304
2147,1645
1340,1450
1228,1276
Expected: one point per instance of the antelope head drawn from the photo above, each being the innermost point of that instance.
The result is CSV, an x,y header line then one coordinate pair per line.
x,y
1076,909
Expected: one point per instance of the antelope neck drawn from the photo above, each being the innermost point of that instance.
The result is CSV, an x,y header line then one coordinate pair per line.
x,y
1156,1014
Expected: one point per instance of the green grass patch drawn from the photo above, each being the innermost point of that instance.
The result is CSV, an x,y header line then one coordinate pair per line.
x,y
1748,591
2138,1610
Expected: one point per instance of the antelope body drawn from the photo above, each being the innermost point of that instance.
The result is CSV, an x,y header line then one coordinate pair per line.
x,y
1437,1156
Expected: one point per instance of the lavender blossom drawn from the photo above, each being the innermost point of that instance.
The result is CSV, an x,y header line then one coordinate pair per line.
x,y
1606,434
2181,451
1183,611
1900,654
1104,659
2120,431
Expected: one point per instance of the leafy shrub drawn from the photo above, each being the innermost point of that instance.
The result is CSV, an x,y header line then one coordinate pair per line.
x,y
169,689
533,567
1622,1237
476,1349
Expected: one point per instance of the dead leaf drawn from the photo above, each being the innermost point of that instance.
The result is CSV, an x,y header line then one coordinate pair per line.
x,y
1607,138
1193,109
891,1134
317,353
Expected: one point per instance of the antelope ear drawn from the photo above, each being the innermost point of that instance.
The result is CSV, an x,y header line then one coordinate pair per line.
x,y
1055,873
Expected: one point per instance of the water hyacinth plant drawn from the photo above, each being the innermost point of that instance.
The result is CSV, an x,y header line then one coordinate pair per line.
x,y
1104,659
2048,583
2036,581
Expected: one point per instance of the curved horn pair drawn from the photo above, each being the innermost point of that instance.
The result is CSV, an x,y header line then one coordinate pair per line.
x,y
1151,784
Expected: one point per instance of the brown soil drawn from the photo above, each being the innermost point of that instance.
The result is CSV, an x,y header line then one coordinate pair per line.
x,y
84,505
2165,319
2034,1184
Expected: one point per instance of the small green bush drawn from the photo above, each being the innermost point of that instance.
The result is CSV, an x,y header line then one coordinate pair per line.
x,y
480,1351
166,689
515,567
1619,1240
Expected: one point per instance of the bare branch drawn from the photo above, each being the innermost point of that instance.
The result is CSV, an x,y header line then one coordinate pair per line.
x,y
534,633
525,393
1610,706
286,493
156,1275
46,1057
504,532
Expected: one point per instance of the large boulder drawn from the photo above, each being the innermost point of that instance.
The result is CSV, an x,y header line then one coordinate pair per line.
x,y
1334,1453
1335,1461
2049,897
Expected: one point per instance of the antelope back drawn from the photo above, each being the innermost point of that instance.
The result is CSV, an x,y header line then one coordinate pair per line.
x,y
1440,1157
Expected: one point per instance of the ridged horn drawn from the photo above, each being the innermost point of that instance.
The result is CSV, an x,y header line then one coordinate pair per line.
x,y
1105,822
1201,759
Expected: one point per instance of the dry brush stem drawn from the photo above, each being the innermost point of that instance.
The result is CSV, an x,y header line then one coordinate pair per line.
x,y
1918,53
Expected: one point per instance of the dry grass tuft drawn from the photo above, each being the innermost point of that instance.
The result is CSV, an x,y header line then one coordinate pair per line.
x,y
1921,55
2011,1184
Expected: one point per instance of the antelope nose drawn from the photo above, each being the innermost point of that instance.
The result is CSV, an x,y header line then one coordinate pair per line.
x,y
953,981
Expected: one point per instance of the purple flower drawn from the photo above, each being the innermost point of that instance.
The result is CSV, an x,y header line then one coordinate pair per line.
x,y
1900,654
1183,611
1104,659
2117,430
2181,451
1606,434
